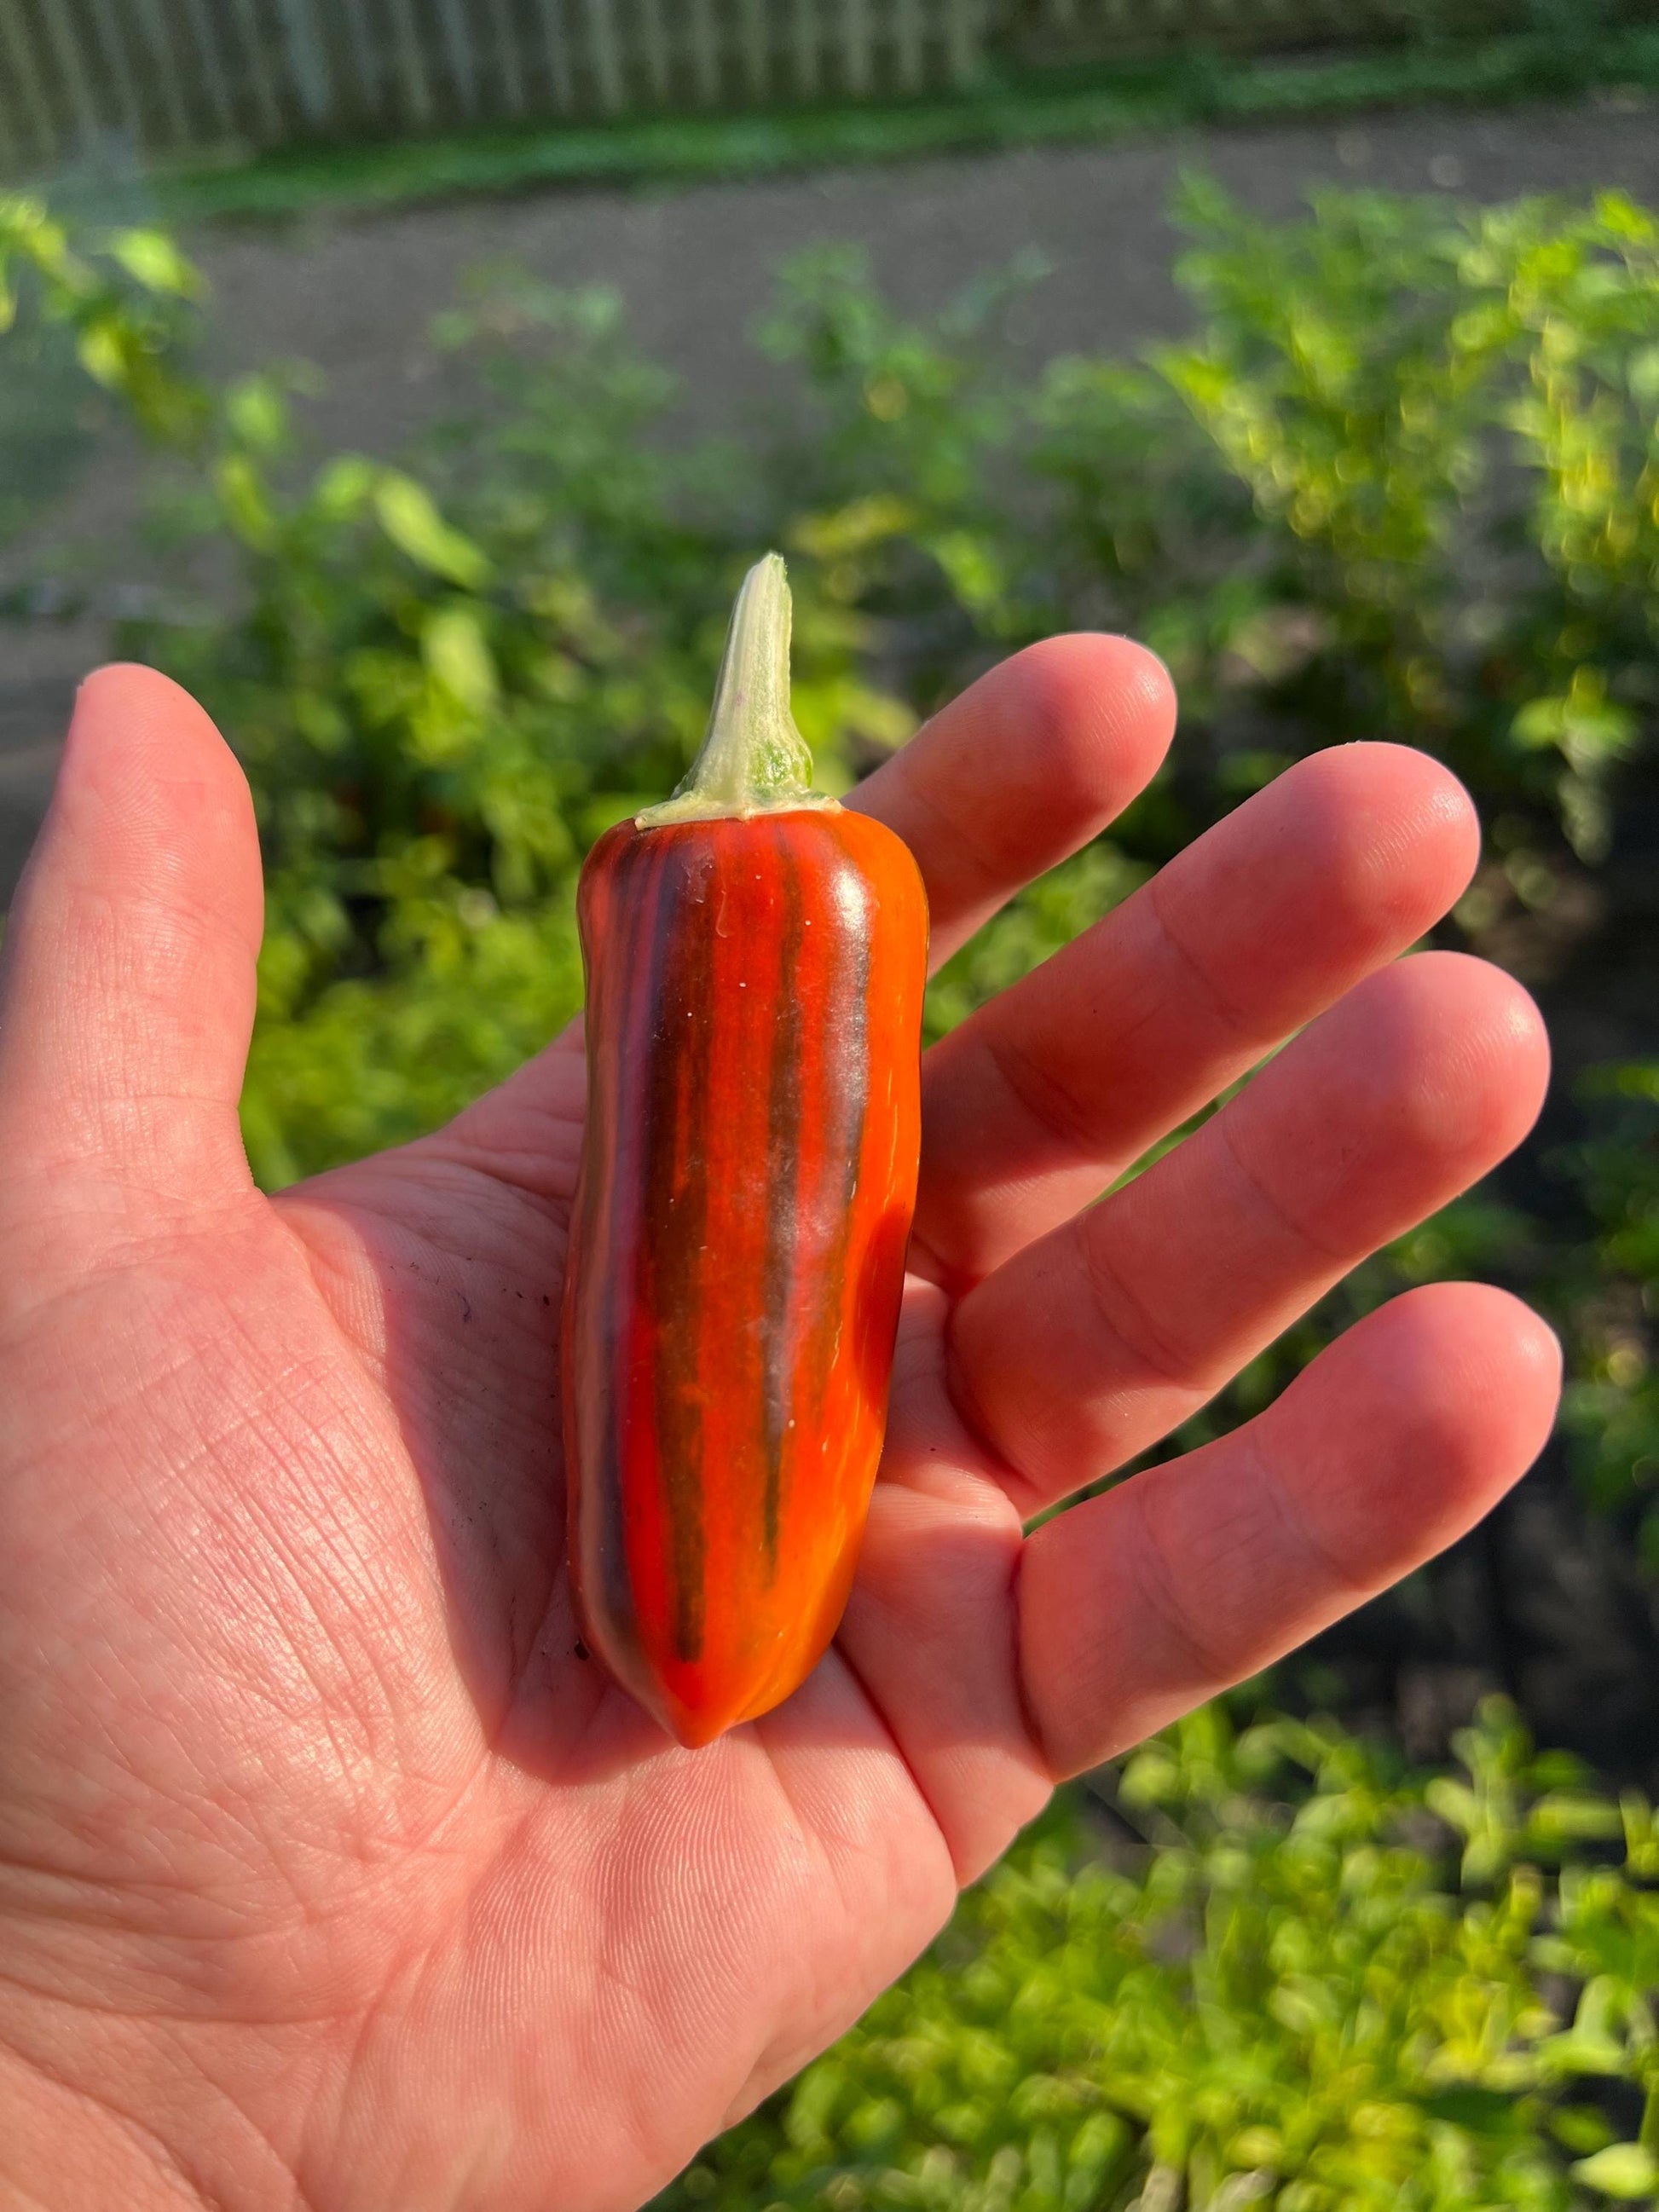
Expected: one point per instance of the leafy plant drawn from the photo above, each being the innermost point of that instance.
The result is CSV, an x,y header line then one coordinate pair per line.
x,y
1610,1303
1403,478
443,687
115,305
1300,1979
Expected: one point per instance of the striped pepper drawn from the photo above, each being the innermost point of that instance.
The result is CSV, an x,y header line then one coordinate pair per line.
x,y
754,958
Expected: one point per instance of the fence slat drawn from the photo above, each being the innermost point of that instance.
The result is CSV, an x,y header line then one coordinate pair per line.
x,y
757,49
365,57
909,49
705,44
808,46
257,74
215,82
112,49
411,64
606,54
964,38
556,45
458,51
30,116
66,45
168,73
855,47
307,62
654,44
508,60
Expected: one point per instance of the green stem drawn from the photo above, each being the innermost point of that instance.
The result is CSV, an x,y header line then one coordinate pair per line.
x,y
753,759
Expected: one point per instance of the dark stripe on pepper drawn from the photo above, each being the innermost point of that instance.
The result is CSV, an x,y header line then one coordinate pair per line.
x,y
676,1219
783,1194
843,1139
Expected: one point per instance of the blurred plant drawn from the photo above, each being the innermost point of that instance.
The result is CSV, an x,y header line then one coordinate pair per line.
x,y
890,480
443,686
1047,915
1609,1302
1367,376
122,295
1304,1979
1403,479
116,303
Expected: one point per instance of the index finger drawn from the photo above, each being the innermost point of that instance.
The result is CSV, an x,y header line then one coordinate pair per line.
x,y
1022,770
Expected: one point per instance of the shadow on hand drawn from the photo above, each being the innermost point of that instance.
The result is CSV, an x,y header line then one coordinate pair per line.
x,y
469,1268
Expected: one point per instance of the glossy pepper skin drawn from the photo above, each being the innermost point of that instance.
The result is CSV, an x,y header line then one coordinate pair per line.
x,y
754,1008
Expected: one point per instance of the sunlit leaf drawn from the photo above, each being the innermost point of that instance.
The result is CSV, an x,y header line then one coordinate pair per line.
x,y
154,259
410,519
1623,2170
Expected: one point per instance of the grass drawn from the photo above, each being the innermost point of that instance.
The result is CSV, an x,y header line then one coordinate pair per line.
x,y
1030,109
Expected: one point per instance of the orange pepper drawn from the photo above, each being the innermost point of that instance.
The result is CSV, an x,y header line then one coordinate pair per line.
x,y
755,958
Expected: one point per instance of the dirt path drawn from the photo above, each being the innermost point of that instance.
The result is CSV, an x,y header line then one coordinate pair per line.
x,y
695,265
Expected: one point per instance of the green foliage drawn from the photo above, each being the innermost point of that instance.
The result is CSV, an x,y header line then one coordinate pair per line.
x,y
1404,479
1049,913
113,304
443,687
1609,1301
1307,1981
120,294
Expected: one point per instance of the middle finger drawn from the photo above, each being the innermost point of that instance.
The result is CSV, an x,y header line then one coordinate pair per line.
x,y
1038,1101
1094,1343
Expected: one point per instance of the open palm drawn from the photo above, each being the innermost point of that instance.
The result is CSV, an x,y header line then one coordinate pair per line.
x,y
333,1870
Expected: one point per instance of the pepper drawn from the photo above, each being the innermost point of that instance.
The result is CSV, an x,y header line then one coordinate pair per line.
x,y
755,957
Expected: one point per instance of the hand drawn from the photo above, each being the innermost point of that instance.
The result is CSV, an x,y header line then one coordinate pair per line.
x,y
332,1872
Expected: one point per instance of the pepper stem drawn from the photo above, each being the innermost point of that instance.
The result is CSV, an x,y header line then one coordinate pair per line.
x,y
753,759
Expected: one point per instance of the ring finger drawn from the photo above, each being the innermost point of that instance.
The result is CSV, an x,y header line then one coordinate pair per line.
x,y
1104,1336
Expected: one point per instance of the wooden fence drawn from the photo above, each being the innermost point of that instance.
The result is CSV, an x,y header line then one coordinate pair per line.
x,y
199,79
177,77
